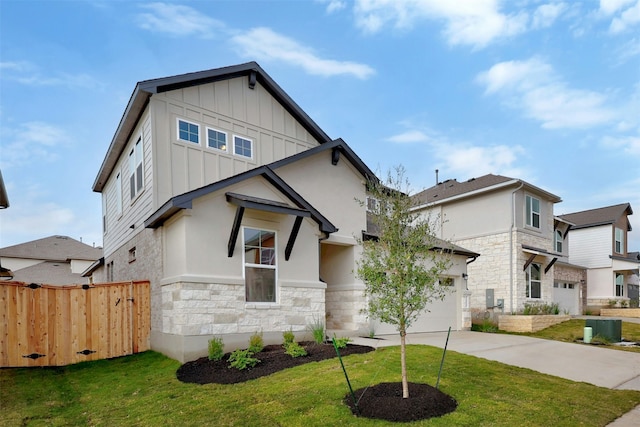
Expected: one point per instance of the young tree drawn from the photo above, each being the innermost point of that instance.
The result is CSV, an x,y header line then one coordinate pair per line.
x,y
402,264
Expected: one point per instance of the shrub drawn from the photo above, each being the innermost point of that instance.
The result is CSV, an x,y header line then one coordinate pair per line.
x,y
317,330
216,348
288,337
612,303
486,326
242,359
624,303
341,342
294,349
535,309
256,343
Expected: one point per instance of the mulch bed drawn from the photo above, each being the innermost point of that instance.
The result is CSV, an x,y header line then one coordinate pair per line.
x,y
384,402
381,401
272,359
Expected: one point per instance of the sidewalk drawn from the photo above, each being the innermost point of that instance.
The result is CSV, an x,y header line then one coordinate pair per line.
x,y
603,367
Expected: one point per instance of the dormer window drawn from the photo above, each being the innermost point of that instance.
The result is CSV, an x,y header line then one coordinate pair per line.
x,y
619,241
558,241
532,206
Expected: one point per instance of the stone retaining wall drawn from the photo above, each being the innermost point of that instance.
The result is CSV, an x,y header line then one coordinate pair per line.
x,y
534,323
620,312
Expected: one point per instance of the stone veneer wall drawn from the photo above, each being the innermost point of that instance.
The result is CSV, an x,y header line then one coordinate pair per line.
x,y
219,309
344,310
520,323
620,312
490,270
546,285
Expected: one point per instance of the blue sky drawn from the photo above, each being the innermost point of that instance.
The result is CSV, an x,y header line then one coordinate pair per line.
x,y
546,91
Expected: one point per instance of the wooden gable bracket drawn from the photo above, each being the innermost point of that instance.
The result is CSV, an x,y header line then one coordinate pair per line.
x,y
335,155
553,261
529,261
235,230
243,201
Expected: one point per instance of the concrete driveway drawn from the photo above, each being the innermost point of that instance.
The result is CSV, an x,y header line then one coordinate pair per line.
x,y
599,366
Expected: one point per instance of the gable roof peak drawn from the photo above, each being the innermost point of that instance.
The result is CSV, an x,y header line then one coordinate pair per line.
x,y
599,216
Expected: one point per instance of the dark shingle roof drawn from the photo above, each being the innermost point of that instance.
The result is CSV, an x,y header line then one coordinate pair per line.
x,y
599,216
452,188
145,89
53,248
50,273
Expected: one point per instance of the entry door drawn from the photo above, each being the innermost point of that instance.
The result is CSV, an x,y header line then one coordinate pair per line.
x,y
634,295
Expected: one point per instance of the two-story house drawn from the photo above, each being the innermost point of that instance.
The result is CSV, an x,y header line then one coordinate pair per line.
x,y
511,223
54,260
239,209
598,240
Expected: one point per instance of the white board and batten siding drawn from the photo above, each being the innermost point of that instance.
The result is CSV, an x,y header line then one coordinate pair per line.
x,y
591,247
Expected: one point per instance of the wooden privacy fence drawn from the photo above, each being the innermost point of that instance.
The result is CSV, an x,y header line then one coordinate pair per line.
x,y
45,325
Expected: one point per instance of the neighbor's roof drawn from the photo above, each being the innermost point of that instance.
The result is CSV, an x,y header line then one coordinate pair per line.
x,y
144,90
452,189
600,216
50,273
53,248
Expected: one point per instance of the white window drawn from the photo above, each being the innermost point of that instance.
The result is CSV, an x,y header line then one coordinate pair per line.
x,y
259,265
558,241
118,195
533,211
136,181
619,241
534,281
242,147
188,131
216,139
619,285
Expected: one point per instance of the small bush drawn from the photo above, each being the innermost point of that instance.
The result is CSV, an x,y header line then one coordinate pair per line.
x,y
612,303
538,309
216,348
341,342
294,349
317,330
288,337
486,326
242,359
256,343
624,303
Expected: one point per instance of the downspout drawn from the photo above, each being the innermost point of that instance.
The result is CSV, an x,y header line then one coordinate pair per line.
x,y
513,226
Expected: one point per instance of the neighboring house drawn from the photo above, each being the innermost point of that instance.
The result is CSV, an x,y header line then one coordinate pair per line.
x,y
54,260
511,223
240,211
598,240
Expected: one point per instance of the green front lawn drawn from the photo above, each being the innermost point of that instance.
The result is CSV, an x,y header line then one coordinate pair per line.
x,y
571,330
142,390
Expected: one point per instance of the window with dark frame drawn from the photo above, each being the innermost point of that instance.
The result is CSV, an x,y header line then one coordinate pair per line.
x,y
259,265
533,211
534,281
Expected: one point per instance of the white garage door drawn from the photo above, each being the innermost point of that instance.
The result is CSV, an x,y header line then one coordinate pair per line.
x,y
567,296
442,315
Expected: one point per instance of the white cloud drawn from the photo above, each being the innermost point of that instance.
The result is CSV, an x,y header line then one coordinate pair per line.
x,y
33,215
177,20
467,22
533,87
274,46
31,142
628,18
467,161
609,7
545,15
409,136
333,5
27,73
629,145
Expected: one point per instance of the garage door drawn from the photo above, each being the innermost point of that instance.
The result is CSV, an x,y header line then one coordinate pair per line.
x,y
442,315
567,296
